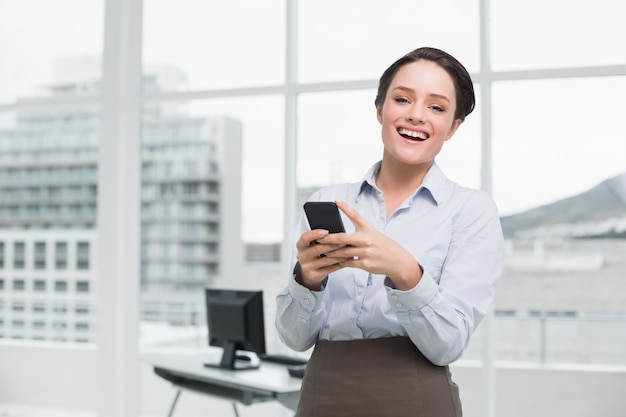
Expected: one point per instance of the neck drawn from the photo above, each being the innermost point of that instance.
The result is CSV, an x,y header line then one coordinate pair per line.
x,y
398,181
401,177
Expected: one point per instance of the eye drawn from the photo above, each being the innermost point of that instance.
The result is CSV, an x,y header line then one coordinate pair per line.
x,y
401,100
437,108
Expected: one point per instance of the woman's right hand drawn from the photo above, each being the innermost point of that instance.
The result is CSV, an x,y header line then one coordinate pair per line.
x,y
316,259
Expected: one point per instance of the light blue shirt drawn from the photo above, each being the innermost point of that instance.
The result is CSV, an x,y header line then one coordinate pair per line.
x,y
452,231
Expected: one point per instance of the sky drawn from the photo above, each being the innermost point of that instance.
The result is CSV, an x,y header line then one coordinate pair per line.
x,y
552,139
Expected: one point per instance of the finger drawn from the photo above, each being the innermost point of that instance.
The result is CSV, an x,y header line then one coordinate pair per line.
x,y
309,237
333,250
358,221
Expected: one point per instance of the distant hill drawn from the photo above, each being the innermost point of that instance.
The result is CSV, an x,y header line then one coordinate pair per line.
x,y
598,212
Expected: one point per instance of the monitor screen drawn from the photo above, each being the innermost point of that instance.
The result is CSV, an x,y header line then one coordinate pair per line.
x,y
235,322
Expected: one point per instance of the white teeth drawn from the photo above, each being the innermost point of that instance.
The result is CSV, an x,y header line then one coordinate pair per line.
x,y
413,134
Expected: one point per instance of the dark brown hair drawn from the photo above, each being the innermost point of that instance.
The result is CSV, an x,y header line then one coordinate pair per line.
x,y
463,86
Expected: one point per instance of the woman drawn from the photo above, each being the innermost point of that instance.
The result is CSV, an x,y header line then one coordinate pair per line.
x,y
396,298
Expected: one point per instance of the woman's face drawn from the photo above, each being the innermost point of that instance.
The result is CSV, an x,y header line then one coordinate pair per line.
x,y
417,116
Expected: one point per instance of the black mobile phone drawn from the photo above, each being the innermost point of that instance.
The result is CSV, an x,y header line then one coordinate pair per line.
x,y
324,215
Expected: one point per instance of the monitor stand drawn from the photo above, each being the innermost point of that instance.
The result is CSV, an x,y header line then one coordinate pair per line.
x,y
230,360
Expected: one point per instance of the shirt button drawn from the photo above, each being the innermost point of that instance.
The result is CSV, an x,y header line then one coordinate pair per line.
x,y
399,305
307,301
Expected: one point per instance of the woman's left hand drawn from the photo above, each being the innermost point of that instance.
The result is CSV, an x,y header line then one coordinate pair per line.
x,y
370,250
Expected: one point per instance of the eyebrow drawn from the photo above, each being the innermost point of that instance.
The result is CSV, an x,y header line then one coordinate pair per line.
x,y
410,90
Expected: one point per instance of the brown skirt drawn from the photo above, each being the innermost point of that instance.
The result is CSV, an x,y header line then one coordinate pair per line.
x,y
386,377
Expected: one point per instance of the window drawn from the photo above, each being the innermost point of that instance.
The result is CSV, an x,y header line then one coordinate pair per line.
x,y
358,52
39,307
1,255
510,18
60,286
82,256
59,325
81,327
18,306
558,144
19,285
60,255
267,50
19,255
82,309
39,285
40,255
82,286
59,308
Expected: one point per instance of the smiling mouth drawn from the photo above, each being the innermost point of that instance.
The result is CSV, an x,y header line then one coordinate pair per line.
x,y
413,135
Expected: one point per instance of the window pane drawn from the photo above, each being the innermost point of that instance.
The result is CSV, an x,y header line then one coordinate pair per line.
x,y
560,182
216,45
567,144
40,255
357,39
60,255
261,120
60,286
212,178
37,64
82,286
345,145
540,34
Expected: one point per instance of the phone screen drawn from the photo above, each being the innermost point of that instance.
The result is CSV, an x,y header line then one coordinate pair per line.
x,y
324,215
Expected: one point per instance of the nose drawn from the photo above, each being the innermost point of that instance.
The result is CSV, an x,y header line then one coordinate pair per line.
x,y
415,114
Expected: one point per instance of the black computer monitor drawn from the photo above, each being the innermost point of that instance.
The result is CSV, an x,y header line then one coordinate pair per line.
x,y
235,322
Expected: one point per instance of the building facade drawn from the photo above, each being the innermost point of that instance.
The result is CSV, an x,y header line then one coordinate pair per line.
x,y
190,210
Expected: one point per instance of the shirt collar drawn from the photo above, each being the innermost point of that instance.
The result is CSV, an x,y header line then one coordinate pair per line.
x,y
433,183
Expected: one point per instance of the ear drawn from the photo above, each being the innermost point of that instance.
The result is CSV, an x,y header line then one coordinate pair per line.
x,y
455,126
379,114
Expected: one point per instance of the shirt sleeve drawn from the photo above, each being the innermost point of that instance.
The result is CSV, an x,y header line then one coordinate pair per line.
x,y
299,315
299,311
440,315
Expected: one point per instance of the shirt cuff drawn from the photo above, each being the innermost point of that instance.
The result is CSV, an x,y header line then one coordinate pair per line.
x,y
309,300
416,298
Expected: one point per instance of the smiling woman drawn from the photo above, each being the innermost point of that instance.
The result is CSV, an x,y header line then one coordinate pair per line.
x,y
406,285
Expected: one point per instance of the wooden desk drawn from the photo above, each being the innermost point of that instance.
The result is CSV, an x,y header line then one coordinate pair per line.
x,y
270,382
